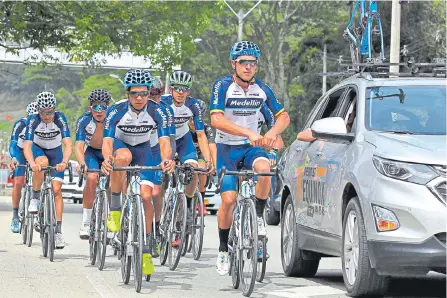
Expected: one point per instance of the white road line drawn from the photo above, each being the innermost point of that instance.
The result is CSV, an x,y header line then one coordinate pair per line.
x,y
307,292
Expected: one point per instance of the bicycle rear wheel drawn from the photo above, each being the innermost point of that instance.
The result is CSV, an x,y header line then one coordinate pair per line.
x,y
249,240
166,216
23,216
262,262
126,261
93,238
102,229
137,244
51,223
178,230
198,226
233,251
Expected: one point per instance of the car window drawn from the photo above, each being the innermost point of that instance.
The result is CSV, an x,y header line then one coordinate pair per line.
x,y
331,105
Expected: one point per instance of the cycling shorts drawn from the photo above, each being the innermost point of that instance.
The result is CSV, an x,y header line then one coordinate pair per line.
x,y
229,156
54,157
186,150
93,158
20,172
156,160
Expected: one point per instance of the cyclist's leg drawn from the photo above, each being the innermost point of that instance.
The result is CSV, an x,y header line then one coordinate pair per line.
x,y
19,181
55,157
228,157
123,157
187,153
157,190
257,159
202,182
93,158
42,160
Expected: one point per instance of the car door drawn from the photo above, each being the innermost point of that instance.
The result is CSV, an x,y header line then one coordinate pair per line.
x,y
312,179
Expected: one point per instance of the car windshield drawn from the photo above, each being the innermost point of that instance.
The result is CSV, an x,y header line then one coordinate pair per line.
x,y
407,109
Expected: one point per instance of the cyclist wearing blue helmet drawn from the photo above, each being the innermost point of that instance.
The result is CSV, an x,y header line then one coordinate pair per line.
x,y
16,153
127,131
234,106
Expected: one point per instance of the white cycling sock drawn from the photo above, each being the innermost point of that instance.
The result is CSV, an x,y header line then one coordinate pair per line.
x,y
86,215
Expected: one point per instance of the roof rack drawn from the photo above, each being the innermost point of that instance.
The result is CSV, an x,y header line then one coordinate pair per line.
x,y
381,70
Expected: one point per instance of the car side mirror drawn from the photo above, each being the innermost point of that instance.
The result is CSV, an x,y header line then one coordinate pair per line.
x,y
332,129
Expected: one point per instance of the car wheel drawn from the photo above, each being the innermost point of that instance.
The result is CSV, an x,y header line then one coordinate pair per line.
x,y
359,278
213,212
272,216
293,262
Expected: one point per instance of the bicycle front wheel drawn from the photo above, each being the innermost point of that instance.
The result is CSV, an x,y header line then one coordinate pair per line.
x,y
198,226
42,226
249,247
102,229
262,260
178,230
92,239
23,215
126,261
51,221
137,243
165,222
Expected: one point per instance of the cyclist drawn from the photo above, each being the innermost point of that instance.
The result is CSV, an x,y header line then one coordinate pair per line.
x,y
210,135
127,130
16,152
158,191
44,136
187,108
235,103
89,135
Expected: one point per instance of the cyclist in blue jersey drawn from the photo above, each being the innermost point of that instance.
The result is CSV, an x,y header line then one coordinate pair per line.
x,y
127,131
187,108
16,153
89,135
158,191
45,133
235,103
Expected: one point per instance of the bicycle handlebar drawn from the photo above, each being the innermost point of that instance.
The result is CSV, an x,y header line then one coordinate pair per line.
x,y
137,168
243,173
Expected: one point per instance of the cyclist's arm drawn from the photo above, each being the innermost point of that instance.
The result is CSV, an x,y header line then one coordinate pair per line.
x,y
165,149
279,144
200,129
213,151
61,122
113,116
28,152
159,114
31,125
107,148
13,149
80,139
211,136
203,145
282,119
79,152
305,136
68,149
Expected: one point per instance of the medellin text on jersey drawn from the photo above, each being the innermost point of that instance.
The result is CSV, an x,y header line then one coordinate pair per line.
x,y
18,132
85,128
47,136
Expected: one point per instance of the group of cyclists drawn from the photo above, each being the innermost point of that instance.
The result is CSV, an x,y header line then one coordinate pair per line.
x,y
150,128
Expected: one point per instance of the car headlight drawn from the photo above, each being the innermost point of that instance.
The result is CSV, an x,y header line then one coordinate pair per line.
x,y
410,172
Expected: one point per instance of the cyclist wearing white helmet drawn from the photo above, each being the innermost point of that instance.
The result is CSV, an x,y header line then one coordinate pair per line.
x,y
45,133
235,103
127,131
158,191
89,135
187,108
16,153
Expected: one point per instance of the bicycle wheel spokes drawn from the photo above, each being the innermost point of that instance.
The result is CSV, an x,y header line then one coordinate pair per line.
x,y
23,216
126,261
198,226
262,260
51,222
93,243
178,231
164,229
249,244
233,252
137,244
42,227
102,229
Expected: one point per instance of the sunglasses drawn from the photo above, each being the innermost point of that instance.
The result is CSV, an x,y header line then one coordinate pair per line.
x,y
99,108
135,94
246,62
180,88
49,113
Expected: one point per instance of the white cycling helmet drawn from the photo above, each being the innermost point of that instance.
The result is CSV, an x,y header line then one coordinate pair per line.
x,y
46,100
180,78
31,108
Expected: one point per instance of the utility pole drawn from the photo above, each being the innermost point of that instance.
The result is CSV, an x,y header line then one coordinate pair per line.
x,y
395,35
324,66
241,16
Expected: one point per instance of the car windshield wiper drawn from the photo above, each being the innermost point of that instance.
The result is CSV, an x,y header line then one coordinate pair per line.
x,y
401,132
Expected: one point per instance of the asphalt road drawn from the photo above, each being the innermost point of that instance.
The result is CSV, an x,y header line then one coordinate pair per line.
x,y
25,273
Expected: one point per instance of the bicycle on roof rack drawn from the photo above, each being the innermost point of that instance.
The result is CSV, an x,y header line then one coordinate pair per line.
x,y
360,32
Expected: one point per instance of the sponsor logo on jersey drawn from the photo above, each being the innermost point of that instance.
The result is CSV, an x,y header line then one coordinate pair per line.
x,y
164,118
109,118
199,112
15,128
181,120
244,113
136,129
247,103
47,135
63,122
216,92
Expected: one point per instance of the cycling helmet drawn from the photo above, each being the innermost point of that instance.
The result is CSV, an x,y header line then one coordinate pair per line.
x,y
157,87
203,107
137,77
31,108
99,95
244,47
180,78
45,100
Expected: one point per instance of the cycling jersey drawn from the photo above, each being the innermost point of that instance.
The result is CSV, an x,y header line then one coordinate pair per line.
x,y
47,136
241,107
265,116
170,113
16,145
190,110
85,128
123,123
209,132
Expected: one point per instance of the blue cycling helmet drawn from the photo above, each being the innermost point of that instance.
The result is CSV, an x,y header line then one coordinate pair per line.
x,y
245,48
137,77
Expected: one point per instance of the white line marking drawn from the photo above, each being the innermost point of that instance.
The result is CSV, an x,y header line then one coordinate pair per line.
x,y
307,292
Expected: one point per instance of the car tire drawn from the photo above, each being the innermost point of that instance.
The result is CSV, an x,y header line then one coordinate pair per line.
x,y
366,281
292,258
213,212
272,216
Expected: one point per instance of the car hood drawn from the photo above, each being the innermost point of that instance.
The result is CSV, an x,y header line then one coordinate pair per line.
x,y
426,149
